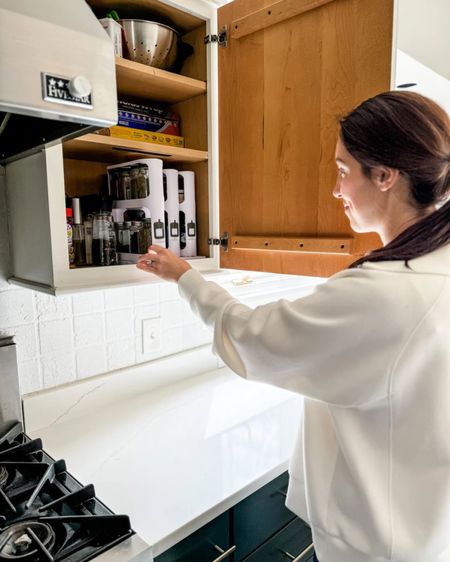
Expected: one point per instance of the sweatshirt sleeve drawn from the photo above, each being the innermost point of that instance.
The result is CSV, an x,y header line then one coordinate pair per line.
x,y
335,345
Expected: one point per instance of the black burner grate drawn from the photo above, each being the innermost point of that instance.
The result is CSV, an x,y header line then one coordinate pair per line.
x,y
45,513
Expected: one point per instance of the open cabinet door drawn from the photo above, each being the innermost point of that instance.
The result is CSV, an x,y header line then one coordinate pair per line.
x,y
289,70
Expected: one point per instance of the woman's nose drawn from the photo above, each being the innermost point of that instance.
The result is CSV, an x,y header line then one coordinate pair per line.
x,y
337,189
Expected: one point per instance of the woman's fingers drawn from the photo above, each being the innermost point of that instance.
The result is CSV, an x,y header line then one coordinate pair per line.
x,y
163,262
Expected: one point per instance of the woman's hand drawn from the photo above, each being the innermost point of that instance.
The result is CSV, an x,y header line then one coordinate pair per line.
x,y
164,263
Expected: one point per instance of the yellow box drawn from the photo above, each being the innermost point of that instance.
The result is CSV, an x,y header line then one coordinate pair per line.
x,y
142,136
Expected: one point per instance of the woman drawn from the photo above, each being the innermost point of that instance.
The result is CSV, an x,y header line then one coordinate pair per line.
x,y
369,350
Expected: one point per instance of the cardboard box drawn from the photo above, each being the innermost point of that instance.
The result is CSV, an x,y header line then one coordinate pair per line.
x,y
142,136
149,123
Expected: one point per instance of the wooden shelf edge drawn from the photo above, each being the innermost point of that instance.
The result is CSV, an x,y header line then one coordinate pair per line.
x,y
116,149
304,244
133,78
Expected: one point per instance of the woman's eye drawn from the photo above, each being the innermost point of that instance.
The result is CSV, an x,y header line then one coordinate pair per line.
x,y
341,173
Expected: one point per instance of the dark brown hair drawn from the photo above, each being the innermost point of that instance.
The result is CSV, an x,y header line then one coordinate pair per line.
x,y
410,133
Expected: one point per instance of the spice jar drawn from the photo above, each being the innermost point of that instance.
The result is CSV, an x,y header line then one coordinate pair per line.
x,y
134,173
125,184
103,240
145,236
143,182
136,227
123,236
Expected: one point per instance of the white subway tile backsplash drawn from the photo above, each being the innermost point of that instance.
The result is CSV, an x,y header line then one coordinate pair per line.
x,y
172,340
55,336
169,292
118,298
120,354
146,294
171,314
30,378
49,308
16,307
90,361
89,329
84,303
119,324
147,311
25,338
58,368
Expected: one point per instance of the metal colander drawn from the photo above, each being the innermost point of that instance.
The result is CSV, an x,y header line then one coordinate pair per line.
x,y
150,43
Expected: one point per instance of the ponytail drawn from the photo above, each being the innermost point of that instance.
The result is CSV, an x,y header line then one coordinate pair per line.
x,y
421,238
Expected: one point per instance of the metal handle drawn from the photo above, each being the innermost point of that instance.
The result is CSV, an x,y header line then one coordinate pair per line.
x,y
223,553
300,556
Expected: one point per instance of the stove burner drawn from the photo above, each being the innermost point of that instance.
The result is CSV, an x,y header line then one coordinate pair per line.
x,y
3,476
23,541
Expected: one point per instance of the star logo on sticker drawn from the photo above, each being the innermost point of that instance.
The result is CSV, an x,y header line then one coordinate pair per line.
x,y
60,83
52,81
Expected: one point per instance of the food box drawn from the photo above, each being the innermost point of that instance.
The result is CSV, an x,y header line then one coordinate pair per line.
x,y
149,123
148,118
142,136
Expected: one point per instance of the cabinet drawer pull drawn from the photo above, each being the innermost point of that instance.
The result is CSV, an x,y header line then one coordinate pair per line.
x,y
223,553
300,556
284,494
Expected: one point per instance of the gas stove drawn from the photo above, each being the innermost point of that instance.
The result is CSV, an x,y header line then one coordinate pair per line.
x,y
46,515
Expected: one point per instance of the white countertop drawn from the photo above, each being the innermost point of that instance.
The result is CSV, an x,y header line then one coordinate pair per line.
x,y
171,456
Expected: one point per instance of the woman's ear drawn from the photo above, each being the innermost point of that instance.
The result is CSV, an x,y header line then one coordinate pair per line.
x,y
385,178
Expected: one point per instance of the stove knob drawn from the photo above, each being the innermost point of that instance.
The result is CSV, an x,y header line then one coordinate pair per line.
x,y
79,87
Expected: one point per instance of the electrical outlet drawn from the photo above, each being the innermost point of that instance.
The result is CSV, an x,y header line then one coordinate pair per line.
x,y
151,335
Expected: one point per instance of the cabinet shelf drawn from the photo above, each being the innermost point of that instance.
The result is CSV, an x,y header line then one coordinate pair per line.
x,y
115,150
140,80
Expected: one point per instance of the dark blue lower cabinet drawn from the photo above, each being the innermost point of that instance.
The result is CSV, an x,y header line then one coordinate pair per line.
x,y
208,544
293,542
258,529
261,515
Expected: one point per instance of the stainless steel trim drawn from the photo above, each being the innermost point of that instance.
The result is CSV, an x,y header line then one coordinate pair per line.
x,y
300,556
10,403
224,553
133,549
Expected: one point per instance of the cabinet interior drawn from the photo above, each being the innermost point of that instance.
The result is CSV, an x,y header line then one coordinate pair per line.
x,y
86,158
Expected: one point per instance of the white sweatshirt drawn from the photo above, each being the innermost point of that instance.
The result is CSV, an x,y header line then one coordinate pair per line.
x,y
370,351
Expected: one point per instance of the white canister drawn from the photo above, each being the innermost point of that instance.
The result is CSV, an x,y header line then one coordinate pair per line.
x,y
188,221
172,210
152,204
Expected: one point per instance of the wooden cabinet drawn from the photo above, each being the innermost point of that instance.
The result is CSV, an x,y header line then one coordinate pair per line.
x,y
258,529
289,71
260,118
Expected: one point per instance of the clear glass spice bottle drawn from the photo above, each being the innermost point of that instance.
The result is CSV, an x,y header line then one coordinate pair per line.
x,y
123,237
145,236
134,173
78,234
136,227
125,184
143,182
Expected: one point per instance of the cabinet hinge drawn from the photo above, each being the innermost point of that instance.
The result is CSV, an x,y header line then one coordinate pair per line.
x,y
222,241
221,39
